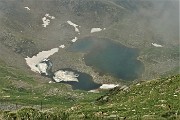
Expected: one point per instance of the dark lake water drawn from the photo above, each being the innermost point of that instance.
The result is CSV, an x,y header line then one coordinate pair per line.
x,y
109,57
85,81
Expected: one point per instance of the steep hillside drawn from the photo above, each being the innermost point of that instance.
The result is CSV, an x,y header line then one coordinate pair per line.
x,y
31,27
133,23
154,99
18,89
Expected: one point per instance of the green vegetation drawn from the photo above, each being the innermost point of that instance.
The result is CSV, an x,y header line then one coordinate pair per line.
x,y
33,114
154,99
135,24
18,88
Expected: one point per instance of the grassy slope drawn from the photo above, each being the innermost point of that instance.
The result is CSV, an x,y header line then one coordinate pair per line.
x,y
19,88
155,99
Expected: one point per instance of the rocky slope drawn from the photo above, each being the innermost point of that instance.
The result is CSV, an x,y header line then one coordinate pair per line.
x,y
132,23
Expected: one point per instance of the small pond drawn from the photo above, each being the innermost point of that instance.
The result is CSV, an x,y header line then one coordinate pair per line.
x,y
85,81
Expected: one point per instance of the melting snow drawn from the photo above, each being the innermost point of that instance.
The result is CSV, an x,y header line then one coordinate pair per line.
x,y
51,17
93,30
74,25
27,8
108,86
156,45
75,39
65,76
62,46
46,21
42,68
32,62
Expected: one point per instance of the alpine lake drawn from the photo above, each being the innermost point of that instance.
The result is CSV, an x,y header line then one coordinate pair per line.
x,y
106,57
109,57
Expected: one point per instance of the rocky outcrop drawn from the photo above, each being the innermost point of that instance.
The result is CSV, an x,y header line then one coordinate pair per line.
x,y
23,46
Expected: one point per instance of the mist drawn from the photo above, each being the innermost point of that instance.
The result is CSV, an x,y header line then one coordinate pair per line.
x,y
162,16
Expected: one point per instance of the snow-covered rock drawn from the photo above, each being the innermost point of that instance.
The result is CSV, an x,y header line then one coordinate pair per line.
x,y
93,30
27,8
66,76
96,30
45,67
48,16
62,46
108,86
42,68
156,45
46,21
75,39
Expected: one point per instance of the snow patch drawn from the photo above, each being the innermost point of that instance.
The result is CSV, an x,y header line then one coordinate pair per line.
x,y
108,86
62,46
75,39
93,30
46,21
42,68
156,45
66,76
27,8
75,26
48,16
32,62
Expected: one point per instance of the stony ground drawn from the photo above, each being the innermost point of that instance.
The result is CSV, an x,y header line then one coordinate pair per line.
x,y
133,24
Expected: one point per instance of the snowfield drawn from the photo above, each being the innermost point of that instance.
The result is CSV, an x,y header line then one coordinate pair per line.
x,y
32,62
